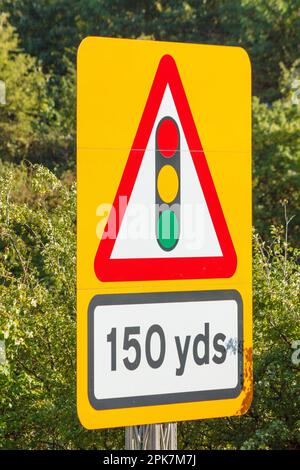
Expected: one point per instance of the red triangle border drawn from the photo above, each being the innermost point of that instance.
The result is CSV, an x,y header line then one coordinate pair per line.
x,y
146,269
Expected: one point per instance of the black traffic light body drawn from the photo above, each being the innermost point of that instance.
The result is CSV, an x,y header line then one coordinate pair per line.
x,y
167,154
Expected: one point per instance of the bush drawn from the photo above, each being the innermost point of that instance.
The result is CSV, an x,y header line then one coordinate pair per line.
x,y
30,125
276,159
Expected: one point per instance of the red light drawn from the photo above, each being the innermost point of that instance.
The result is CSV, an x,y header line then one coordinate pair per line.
x,y
167,138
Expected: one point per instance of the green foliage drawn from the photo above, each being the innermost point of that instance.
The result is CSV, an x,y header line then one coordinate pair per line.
x,y
276,160
270,31
47,28
271,35
30,125
22,118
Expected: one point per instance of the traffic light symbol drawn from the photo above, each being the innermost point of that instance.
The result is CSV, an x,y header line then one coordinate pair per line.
x,y
167,192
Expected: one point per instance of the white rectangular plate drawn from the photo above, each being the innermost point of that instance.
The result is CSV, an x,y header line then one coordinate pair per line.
x,y
159,348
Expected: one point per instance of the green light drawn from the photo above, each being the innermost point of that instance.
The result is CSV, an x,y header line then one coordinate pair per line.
x,y
168,230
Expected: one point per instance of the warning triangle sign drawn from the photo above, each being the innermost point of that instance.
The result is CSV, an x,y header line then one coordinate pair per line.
x,y
166,221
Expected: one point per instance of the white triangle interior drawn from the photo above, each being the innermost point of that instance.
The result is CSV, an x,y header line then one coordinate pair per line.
x,y
137,234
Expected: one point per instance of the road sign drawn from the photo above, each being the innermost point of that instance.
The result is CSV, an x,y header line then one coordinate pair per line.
x,y
164,232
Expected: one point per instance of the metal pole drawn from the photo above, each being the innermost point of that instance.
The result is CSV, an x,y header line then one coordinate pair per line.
x,y
151,437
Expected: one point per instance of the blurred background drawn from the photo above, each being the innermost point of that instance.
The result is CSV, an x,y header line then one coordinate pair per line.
x,y
38,44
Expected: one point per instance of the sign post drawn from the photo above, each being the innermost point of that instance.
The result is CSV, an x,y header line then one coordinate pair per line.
x,y
151,437
164,292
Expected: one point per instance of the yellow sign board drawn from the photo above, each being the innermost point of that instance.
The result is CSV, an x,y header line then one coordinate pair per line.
x,y
164,295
